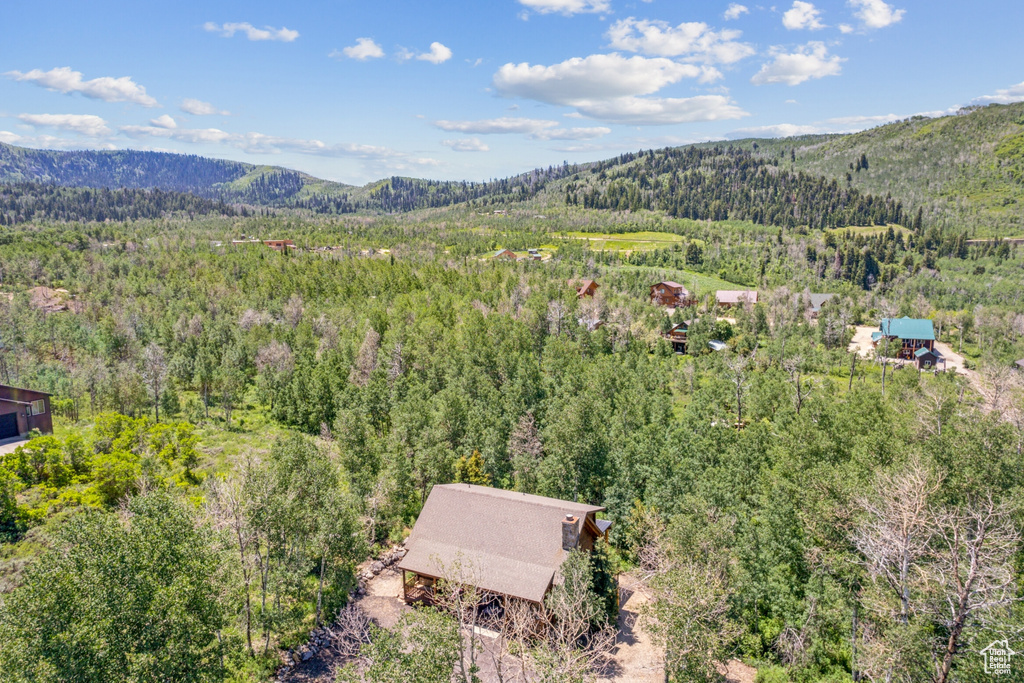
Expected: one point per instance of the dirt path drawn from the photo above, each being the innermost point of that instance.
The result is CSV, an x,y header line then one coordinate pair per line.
x,y
636,658
381,600
861,342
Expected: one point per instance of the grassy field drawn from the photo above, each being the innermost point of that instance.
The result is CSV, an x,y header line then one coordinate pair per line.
x,y
699,282
626,241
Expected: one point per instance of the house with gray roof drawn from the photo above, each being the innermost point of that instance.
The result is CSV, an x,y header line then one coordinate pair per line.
x,y
509,544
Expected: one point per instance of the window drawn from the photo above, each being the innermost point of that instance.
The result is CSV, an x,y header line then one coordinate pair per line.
x,y
37,408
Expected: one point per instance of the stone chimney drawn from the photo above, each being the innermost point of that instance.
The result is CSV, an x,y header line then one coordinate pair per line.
x,y
570,533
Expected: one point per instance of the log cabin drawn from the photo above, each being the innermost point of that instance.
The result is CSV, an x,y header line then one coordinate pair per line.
x,y
511,544
909,335
676,336
585,288
22,410
670,293
506,254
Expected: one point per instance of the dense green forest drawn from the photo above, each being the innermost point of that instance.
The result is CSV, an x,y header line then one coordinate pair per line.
x,y
239,429
207,386
25,202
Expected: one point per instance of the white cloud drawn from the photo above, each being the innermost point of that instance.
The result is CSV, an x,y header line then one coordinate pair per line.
x,y
693,40
86,124
876,13
164,121
1015,93
51,142
192,135
200,108
654,111
466,145
839,124
855,123
106,88
845,28
438,53
365,48
567,7
572,133
803,15
735,10
535,129
284,35
781,130
809,61
260,143
503,125
595,77
606,87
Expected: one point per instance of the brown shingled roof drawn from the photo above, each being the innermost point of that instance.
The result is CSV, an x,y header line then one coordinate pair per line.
x,y
510,543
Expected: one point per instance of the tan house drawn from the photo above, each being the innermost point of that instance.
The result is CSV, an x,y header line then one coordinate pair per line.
x,y
512,544
727,298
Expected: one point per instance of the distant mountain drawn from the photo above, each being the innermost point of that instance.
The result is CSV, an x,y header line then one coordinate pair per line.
x,y
964,172
234,181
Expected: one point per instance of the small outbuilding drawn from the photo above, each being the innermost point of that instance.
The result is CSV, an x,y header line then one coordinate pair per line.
x,y
928,359
511,544
22,410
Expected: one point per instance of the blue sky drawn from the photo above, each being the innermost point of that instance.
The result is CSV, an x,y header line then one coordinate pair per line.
x,y
355,91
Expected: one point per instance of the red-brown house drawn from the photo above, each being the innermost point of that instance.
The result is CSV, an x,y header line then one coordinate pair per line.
x,y
22,410
586,288
279,245
506,254
670,293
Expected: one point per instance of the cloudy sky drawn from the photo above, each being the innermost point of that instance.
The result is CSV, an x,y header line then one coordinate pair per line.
x,y
355,91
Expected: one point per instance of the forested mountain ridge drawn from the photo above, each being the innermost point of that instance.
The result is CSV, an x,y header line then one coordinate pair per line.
x,y
965,170
23,202
272,186
726,183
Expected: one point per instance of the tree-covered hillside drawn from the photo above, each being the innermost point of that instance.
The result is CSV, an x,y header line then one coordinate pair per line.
x,y
23,202
964,170
723,183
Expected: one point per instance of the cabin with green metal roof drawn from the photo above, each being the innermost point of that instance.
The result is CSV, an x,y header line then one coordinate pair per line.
x,y
905,336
